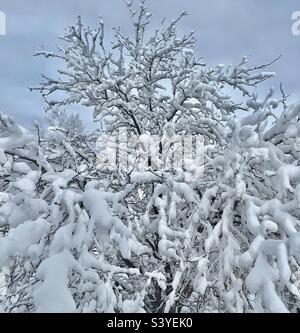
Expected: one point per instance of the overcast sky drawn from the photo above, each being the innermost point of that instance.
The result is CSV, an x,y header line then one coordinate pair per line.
x,y
226,31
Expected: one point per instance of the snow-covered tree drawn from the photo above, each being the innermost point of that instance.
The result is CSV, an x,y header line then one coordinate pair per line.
x,y
212,233
68,122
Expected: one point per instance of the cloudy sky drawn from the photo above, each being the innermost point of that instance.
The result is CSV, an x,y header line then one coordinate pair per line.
x,y
226,31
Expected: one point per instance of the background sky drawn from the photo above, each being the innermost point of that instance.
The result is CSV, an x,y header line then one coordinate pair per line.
x,y
226,31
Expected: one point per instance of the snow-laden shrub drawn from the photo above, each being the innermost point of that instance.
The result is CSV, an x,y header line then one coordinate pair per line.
x,y
74,241
251,245
61,233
